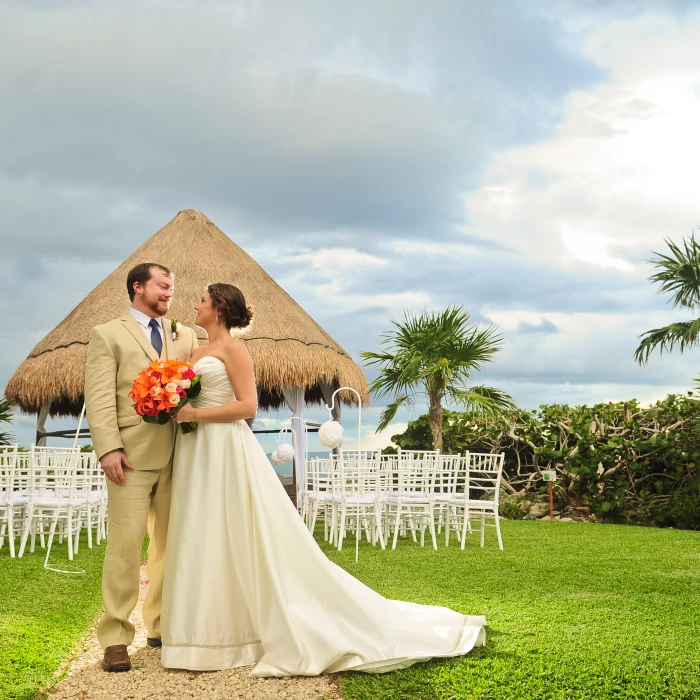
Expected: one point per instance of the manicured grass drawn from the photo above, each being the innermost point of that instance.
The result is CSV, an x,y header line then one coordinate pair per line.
x,y
574,611
44,614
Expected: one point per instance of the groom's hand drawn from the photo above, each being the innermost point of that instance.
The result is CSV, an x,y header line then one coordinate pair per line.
x,y
113,465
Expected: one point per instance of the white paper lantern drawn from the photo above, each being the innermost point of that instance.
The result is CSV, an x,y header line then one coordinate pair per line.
x,y
284,453
330,434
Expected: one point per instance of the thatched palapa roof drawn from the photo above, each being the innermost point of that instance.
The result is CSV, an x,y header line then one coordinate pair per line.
x,y
288,347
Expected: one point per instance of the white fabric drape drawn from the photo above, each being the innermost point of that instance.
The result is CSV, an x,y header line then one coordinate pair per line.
x,y
294,398
327,390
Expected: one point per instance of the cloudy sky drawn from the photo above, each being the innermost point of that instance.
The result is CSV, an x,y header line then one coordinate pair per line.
x,y
521,158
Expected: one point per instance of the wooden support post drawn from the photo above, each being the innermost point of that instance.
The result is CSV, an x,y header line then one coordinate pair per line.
x,y
291,489
40,440
551,501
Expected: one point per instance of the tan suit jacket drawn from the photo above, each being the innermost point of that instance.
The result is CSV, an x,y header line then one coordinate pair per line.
x,y
117,351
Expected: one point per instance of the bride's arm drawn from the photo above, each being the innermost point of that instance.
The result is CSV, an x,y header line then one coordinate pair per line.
x,y
239,367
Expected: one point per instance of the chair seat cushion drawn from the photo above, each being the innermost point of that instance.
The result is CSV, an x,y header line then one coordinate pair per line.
x,y
409,497
365,498
458,500
17,501
53,502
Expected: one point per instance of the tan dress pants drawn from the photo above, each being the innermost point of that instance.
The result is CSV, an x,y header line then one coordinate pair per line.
x,y
142,502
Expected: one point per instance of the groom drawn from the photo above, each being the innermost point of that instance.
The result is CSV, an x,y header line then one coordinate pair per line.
x,y
136,456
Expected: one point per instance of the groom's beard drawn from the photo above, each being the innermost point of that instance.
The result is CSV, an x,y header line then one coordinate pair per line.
x,y
159,307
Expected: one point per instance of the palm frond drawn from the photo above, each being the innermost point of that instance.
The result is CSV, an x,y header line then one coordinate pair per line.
x,y
482,399
7,414
390,410
679,273
682,335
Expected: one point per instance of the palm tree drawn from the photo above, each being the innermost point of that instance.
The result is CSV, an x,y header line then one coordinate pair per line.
x,y
6,416
436,354
678,273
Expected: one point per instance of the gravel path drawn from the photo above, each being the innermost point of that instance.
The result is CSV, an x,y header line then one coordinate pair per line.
x,y
149,680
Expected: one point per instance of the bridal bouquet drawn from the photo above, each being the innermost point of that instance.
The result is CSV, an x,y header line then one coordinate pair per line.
x,y
162,389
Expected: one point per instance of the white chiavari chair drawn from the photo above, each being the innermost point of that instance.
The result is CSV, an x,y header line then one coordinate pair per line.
x,y
13,499
58,493
408,499
357,493
479,498
319,494
485,472
449,478
96,501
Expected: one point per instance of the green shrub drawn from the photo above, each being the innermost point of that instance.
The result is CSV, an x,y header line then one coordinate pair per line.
x,y
627,463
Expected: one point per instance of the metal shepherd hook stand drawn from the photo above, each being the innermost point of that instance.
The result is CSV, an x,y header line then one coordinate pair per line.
x,y
359,451
54,522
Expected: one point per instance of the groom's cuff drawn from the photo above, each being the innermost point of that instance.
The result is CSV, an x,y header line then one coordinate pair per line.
x,y
106,443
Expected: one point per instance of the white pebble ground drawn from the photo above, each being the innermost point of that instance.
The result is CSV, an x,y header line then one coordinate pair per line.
x,y
149,680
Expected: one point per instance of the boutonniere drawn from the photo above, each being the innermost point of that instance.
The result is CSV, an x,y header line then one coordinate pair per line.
x,y
175,328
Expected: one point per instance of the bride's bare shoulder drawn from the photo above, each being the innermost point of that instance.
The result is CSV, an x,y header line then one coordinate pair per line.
x,y
196,355
236,350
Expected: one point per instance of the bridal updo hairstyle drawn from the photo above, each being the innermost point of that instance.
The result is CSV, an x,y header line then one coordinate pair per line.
x,y
230,304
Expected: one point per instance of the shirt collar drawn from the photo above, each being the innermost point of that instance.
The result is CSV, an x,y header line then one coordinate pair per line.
x,y
144,319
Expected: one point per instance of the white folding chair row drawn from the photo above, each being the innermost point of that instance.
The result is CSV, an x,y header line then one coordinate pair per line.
x,y
410,492
45,484
420,455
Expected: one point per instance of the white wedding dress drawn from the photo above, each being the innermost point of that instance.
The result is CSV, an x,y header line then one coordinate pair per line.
x,y
246,583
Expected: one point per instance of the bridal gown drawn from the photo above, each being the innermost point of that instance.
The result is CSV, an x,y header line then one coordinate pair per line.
x,y
246,583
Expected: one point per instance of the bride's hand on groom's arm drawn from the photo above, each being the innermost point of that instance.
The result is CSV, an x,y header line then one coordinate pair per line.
x,y
113,465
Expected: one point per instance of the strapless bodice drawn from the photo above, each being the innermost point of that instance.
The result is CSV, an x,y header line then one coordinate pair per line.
x,y
216,386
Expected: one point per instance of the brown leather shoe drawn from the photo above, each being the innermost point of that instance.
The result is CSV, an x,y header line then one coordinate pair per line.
x,y
116,658
154,642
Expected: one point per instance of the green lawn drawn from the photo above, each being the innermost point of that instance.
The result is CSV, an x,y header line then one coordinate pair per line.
x,y
43,614
574,610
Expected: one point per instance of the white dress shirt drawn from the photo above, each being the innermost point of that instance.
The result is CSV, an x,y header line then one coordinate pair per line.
x,y
143,321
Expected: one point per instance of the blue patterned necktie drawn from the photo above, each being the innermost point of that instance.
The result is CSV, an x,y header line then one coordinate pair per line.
x,y
156,340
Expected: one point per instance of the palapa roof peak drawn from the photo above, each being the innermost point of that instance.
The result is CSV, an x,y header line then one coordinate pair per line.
x,y
287,346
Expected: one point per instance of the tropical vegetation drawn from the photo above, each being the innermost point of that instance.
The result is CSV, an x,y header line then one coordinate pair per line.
x,y
623,461
7,414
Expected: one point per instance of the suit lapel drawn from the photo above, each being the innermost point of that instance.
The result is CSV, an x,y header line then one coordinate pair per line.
x,y
132,325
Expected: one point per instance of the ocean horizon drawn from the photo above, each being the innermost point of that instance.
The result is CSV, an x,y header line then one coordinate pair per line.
x,y
284,471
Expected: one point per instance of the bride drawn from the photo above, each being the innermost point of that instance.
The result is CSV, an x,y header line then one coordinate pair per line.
x,y
245,582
